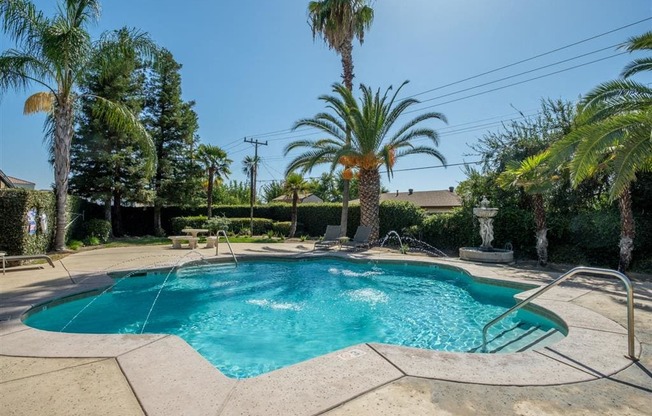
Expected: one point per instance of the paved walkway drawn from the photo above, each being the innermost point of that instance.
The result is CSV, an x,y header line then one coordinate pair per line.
x,y
107,383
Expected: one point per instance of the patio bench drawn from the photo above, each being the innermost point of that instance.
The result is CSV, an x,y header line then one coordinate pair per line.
x,y
178,239
210,241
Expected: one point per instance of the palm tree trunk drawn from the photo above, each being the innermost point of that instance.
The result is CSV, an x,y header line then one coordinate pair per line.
x,y
293,219
63,118
347,77
627,229
211,175
370,200
542,231
347,64
344,220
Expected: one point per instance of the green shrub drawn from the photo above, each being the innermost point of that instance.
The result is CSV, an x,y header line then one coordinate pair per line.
x,y
282,227
397,215
92,241
15,204
100,229
75,244
449,231
261,225
217,223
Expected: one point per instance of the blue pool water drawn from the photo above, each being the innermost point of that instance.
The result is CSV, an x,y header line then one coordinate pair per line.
x,y
264,315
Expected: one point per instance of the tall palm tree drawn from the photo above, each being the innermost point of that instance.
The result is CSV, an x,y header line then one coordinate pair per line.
x,y
533,176
54,53
615,133
250,167
338,22
368,125
217,166
294,185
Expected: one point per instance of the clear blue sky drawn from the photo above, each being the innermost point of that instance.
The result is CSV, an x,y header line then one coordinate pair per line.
x,y
253,68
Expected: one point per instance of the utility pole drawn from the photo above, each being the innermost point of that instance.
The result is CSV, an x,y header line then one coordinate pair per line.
x,y
252,194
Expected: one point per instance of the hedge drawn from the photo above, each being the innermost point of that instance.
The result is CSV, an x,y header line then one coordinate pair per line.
x,y
15,204
237,225
15,238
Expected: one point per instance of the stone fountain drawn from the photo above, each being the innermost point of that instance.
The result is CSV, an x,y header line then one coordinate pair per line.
x,y
486,253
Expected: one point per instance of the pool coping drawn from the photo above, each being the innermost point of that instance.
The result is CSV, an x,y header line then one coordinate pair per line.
x,y
167,375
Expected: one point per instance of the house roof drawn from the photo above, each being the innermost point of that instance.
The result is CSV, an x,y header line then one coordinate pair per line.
x,y
288,198
423,199
17,181
4,178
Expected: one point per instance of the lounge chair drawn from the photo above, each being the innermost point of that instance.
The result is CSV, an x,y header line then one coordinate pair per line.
x,y
360,239
331,238
6,258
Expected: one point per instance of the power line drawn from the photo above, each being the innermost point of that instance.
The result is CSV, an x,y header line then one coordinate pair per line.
x,y
521,73
434,166
516,83
532,58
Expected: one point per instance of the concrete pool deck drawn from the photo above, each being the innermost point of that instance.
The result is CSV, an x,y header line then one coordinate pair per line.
x,y
56,373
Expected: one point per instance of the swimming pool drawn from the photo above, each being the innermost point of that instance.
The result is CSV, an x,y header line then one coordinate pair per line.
x,y
264,315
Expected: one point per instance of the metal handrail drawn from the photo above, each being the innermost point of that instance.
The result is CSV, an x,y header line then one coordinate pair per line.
x,y
222,233
564,277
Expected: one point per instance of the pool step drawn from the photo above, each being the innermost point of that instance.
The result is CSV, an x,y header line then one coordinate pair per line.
x,y
197,270
530,338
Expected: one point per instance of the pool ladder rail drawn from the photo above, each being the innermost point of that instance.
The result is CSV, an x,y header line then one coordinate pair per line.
x,y
222,233
577,270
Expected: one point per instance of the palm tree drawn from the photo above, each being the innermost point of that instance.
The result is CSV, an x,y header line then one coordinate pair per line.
x,y
55,53
338,22
294,185
250,167
371,145
615,133
217,167
532,175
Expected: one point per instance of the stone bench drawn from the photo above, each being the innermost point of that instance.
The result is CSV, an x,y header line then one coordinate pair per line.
x,y
177,239
211,241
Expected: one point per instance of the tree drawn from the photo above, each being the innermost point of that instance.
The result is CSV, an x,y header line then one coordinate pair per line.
x,y
371,145
293,185
217,167
107,163
614,134
533,176
272,190
250,167
338,22
172,124
54,53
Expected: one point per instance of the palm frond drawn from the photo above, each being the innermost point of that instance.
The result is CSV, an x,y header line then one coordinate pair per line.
x,y
39,102
597,140
636,66
18,70
422,150
120,117
22,22
639,43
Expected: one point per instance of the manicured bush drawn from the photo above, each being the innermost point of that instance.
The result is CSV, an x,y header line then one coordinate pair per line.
x,y
449,231
100,229
15,235
282,227
261,225
398,215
